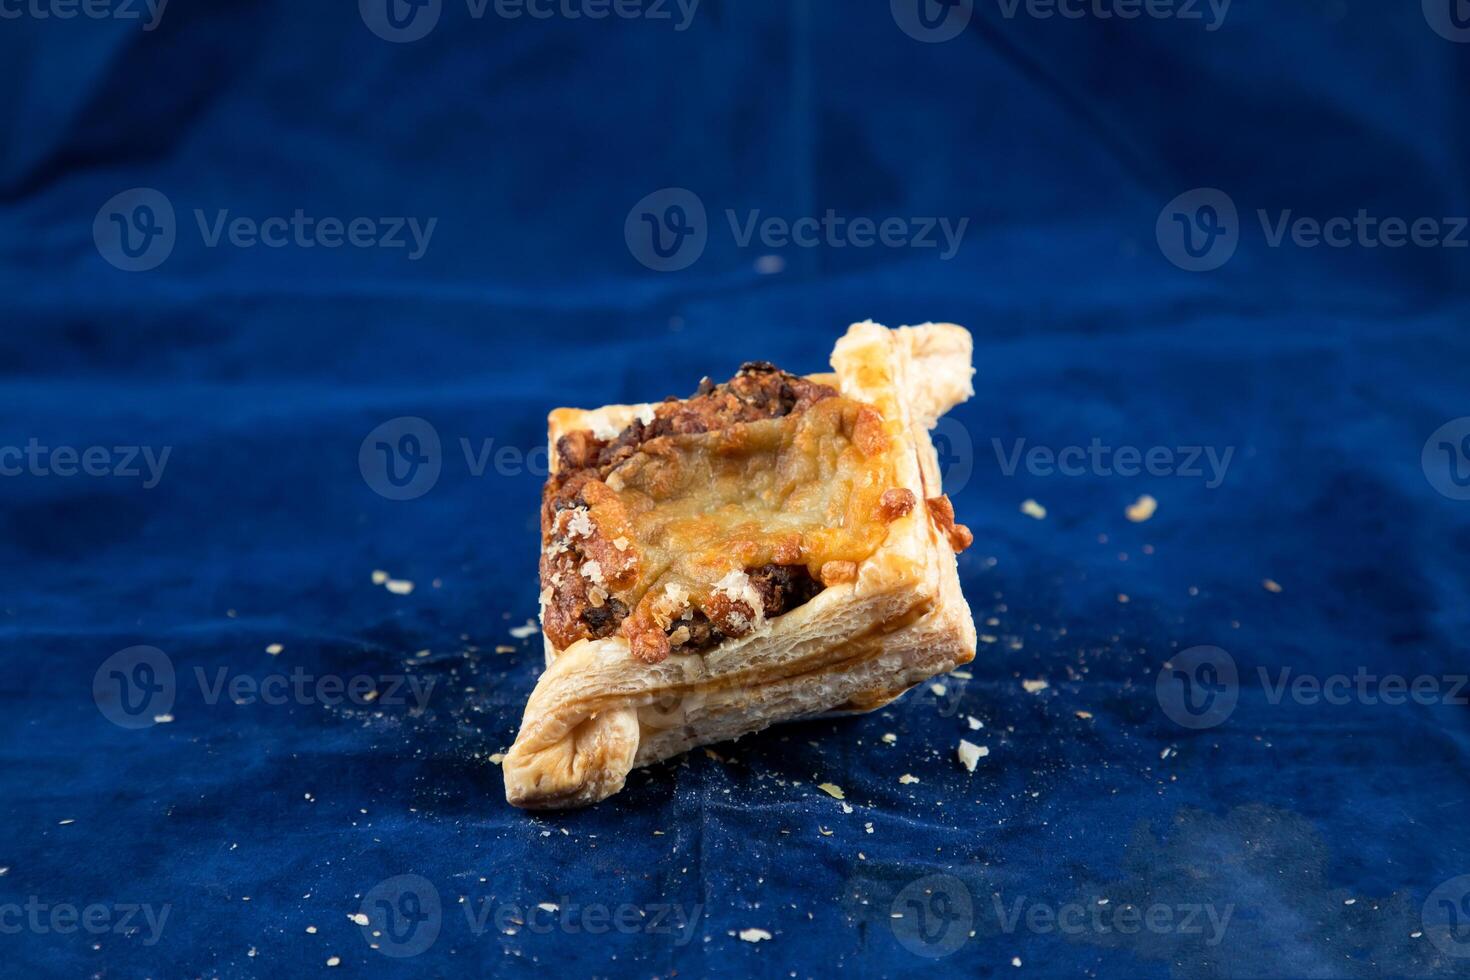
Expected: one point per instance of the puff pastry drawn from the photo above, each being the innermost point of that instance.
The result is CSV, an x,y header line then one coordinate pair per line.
x,y
772,548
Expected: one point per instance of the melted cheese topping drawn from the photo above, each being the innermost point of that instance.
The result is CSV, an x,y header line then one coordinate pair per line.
x,y
695,510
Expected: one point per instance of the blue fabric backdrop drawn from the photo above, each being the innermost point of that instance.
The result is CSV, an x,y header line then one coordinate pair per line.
x,y
229,816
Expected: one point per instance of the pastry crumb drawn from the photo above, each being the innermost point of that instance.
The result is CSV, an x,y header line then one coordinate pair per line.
x,y
358,918
399,586
274,649
528,629
754,935
380,577
1031,508
1141,509
832,790
1270,585
970,753
889,738
1084,715
908,778
1035,686
975,723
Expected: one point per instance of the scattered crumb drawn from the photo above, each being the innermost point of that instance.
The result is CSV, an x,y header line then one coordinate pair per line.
x,y
1015,961
1142,509
1031,508
548,907
1032,687
1123,597
908,778
334,961
868,827
939,690
1084,715
504,648
69,820
380,577
421,654
358,918
889,738
824,831
754,935
975,723
832,790
1270,585
274,649
970,753
399,586
498,758
311,930
521,632
987,638
162,719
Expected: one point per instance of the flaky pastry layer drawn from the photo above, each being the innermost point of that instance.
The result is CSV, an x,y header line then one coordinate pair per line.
x,y
597,711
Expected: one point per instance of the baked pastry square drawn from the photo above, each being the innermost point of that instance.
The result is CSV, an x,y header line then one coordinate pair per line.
x,y
771,548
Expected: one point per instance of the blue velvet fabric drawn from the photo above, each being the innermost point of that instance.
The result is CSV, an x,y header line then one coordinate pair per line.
x,y
252,811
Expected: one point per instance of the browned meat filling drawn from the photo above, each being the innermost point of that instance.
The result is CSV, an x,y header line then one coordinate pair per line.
x,y
579,606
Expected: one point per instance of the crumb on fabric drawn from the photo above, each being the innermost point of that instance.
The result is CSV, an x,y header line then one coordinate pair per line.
x,y
1270,585
754,935
970,753
399,586
908,778
832,790
1035,686
274,649
1141,509
529,628
1031,508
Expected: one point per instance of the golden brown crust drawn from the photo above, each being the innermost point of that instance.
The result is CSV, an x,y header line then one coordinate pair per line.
x,y
879,623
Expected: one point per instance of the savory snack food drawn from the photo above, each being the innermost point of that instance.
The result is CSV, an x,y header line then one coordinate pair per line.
x,y
770,548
